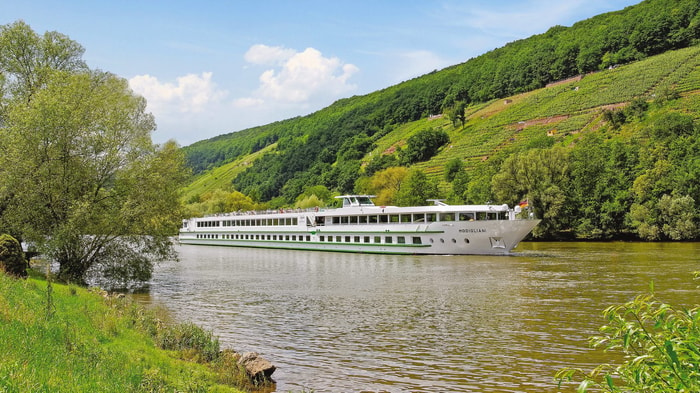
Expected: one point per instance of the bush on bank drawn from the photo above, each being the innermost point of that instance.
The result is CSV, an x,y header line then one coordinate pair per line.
x,y
63,338
661,345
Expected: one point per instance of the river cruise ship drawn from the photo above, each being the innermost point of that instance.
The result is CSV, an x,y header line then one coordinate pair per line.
x,y
361,226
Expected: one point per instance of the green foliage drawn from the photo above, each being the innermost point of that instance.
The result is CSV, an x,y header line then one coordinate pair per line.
x,y
12,260
660,344
619,163
82,179
423,145
415,189
540,176
200,344
97,343
453,168
385,185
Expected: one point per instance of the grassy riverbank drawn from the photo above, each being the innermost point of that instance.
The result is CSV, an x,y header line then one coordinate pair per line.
x,y
62,338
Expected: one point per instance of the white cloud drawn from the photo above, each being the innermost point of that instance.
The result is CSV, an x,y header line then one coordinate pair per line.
x,y
290,83
190,94
299,77
268,55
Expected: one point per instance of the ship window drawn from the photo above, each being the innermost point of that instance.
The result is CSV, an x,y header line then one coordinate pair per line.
x,y
466,216
418,217
330,238
405,218
377,239
366,239
286,237
447,216
362,219
383,218
417,240
401,240
308,238
353,219
338,239
336,220
322,238
357,239
347,239
430,217
344,220
466,240
388,239
372,219
294,221
394,218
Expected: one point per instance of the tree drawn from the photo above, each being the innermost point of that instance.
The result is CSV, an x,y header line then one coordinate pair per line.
x,y
423,145
87,185
416,189
386,183
453,168
540,175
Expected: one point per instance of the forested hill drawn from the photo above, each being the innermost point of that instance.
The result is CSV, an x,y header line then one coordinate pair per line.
x,y
466,132
649,28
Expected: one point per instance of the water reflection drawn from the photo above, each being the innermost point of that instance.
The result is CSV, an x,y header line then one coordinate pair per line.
x,y
353,322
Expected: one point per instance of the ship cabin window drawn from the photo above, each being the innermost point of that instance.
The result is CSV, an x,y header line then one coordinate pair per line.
x,y
405,218
418,217
338,239
372,219
388,239
330,238
321,238
401,240
344,220
430,217
447,216
466,217
362,219
353,219
394,218
347,239
308,238
356,239
366,239
417,240
336,220
294,237
377,239
383,218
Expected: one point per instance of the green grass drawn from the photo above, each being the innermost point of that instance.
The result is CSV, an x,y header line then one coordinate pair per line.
x,y
58,338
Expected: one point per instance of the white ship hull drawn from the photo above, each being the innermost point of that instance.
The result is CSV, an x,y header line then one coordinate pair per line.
x,y
364,228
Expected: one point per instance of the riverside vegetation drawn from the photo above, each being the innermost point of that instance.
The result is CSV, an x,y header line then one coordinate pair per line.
x,y
595,125
66,338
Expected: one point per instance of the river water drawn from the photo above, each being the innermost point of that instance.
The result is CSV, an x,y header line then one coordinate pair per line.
x,y
334,322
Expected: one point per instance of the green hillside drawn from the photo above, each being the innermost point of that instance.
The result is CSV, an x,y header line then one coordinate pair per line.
x,y
517,103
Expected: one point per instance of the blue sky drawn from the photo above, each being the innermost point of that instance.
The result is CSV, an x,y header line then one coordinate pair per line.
x,y
213,67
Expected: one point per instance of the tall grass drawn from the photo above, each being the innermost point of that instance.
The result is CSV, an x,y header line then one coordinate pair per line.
x,y
89,343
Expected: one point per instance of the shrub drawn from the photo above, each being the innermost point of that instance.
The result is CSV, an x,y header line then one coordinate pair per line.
x,y
661,345
12,258
194,341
